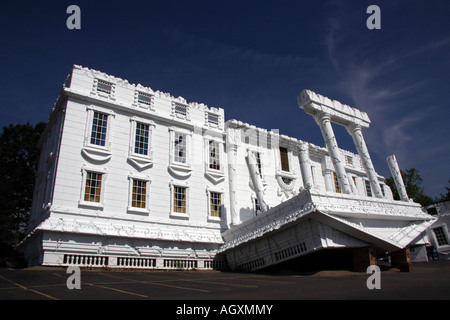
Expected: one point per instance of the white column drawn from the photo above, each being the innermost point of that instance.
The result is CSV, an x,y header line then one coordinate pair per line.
x,y
257,183
232,148
360,144
324,122
397,176
305,165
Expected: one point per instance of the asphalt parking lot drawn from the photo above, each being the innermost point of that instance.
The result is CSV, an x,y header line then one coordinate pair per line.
x,y
429,280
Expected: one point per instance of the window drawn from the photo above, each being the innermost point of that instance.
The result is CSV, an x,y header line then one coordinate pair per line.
x,y
180,147
180,164
382,190
257,206
349,160
215,203
440,235
368,189
140,151
103,86
93,187
141,139
181,110
144,98
258,163
214,155
139,194
97,142
179,199
213,119
337,185
284,159
99,129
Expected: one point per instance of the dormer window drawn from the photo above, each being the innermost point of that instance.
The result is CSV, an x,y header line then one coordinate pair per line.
x,y
105,87
144,98
180,110
212,119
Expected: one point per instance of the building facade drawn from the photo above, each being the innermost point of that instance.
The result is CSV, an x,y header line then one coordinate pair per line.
x,y
132,177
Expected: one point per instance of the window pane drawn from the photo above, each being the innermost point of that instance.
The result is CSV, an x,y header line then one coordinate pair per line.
x,y
368,189
214,155
284,159
337,185
180,148
139,194
179,199
440,236
141,139
258,163
99,127
93,187
215,204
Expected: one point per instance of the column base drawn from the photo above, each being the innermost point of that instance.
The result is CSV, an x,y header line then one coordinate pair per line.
x,y
363,257
400,259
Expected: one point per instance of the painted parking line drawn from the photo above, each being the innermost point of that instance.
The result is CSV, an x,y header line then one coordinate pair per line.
x,y
158,283
107,288
28,289
253,279
220,283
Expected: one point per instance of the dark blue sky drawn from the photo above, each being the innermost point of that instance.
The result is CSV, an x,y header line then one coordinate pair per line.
x,y
251,58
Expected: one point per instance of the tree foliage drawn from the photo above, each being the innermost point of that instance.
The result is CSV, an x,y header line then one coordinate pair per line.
x,y
413,184
19,158
446,197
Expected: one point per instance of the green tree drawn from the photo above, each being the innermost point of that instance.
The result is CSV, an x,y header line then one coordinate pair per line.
x,y
19,158
445,197
413,184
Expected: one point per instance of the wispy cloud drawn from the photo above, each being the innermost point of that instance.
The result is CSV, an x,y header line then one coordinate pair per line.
x,y
385,85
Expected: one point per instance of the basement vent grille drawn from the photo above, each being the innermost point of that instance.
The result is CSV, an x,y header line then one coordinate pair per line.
x,y
291,251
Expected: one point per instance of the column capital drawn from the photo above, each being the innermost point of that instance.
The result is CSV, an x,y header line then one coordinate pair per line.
x,y
353,127
321,116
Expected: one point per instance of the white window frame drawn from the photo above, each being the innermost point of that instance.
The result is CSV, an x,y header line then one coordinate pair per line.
x,y
213,124
180,168
141,160
84,171
215,174
445,233
93,151
209,191
98,92
180,115
172,186
367,188
146,178
336,183
143,105
255,203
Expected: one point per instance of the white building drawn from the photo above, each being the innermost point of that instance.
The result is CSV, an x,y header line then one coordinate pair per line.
x,y
438,233
131,177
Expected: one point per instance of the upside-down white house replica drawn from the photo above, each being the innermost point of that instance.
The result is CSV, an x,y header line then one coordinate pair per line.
x,y
134,178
